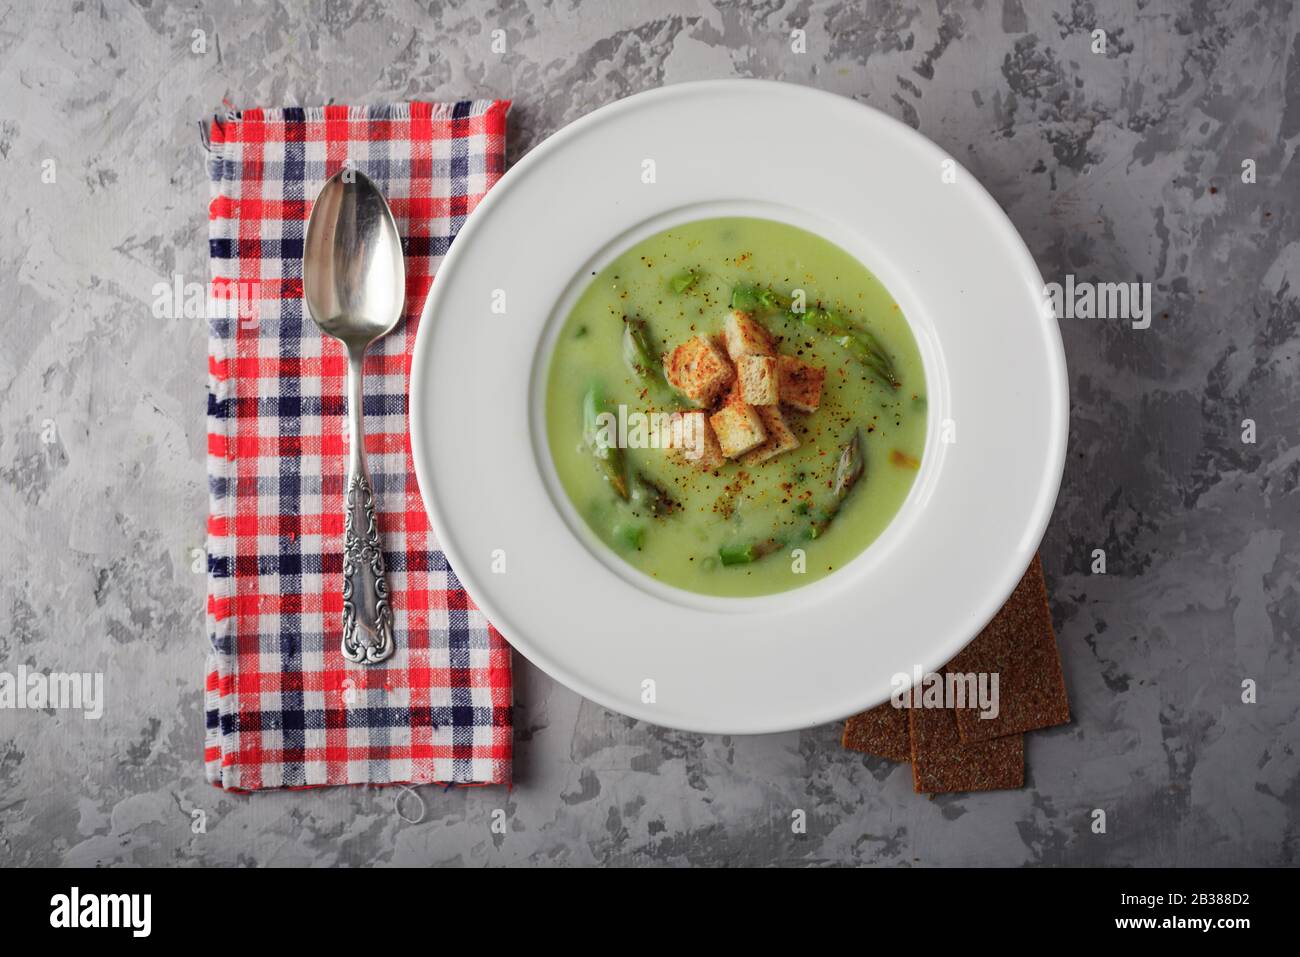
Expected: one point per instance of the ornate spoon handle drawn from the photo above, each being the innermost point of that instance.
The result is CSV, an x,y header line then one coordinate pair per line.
x,y
367,616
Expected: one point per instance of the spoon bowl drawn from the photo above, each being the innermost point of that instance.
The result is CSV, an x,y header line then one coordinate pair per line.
x,y
354,278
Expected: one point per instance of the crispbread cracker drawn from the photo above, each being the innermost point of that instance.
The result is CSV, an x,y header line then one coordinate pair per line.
x,y
1020,647
942,762
882,731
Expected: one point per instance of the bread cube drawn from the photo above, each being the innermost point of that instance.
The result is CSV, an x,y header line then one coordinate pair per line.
x,y
745,336
699,370
758,379
690,436
799,383
780,438
738,428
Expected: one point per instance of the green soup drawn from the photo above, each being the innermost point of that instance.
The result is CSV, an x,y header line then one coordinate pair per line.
x,y
738,530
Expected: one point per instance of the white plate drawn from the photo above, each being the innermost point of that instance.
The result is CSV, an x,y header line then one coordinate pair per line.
x,y
993,361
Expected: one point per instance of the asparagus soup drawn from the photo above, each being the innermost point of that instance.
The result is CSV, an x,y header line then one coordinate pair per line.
x,y
736,406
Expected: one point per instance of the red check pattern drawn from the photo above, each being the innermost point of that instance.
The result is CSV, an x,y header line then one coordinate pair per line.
x,y
283,707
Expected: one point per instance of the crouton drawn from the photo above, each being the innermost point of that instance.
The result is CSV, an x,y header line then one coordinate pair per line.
x,y
699,370
745,336
738,428
799,383
733,396
779,437
758,379
690,436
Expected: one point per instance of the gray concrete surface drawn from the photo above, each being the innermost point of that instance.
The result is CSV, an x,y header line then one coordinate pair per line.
x,y
1123,165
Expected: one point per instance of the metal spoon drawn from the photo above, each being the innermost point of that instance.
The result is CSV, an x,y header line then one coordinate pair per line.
x,y
354,282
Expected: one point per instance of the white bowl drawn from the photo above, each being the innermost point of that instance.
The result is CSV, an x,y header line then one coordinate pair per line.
x,y
995,376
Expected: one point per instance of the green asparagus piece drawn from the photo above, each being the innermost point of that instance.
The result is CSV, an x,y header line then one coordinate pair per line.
x,y
748,298
641,360
860,343
744,298
633,536
637,353
857,341
683,281
746,553
649,495
848,470
736,554
609,459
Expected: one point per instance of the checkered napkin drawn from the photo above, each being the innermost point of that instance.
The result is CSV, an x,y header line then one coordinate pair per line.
x,y
283,707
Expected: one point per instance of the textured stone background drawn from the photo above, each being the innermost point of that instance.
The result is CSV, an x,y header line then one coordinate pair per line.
x,y
1118,166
